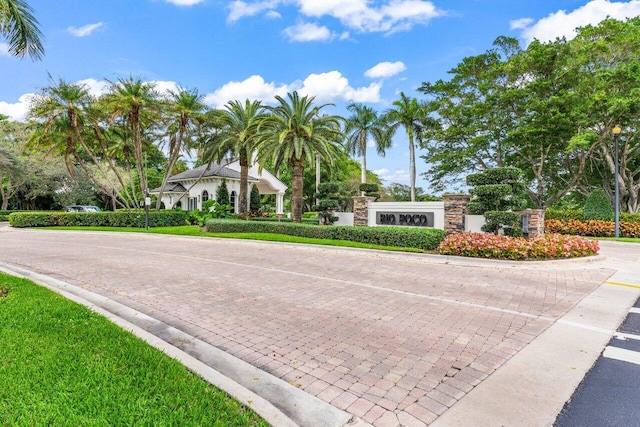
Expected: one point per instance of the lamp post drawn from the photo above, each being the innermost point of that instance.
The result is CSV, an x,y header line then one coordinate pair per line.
x,y
616,134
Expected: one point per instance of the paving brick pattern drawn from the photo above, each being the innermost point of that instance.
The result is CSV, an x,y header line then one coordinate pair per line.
x,y
393,340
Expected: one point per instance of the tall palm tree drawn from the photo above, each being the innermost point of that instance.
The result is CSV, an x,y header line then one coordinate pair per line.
x,y
365,123
20,28
185,117
139,104
410,114
239,127
294,133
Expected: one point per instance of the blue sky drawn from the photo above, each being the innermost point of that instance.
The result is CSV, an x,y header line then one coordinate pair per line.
x,y
338,50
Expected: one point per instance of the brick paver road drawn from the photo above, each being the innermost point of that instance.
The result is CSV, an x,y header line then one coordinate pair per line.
x,y
393,339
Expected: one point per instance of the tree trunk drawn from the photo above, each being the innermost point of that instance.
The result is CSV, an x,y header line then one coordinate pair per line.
x,y
412,165
317,179
296,191
244,181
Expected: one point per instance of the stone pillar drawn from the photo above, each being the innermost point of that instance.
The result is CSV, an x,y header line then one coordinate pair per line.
x,y
361,210
536,222
455,208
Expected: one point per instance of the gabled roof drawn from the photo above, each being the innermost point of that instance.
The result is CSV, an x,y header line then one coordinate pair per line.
x,y
171,187
213,170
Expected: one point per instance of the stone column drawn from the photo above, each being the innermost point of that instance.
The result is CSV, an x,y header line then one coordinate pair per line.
x,y
536,222
361,210
455,208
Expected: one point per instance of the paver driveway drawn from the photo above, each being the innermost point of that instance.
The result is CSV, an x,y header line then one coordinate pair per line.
x,y
392,338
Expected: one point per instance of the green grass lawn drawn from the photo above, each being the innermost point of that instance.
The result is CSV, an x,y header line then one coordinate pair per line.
x,y
619,239
63,365
194,230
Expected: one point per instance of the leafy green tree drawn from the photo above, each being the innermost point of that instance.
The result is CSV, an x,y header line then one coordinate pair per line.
x,y
598,206
329,200
362,125
255,199
19,27
294,132
495,193
411,115
222,193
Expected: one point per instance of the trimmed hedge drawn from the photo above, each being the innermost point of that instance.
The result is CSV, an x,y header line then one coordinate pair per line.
x,y
566,215
305,220
598,206
422,238
98,219
4,215
594,228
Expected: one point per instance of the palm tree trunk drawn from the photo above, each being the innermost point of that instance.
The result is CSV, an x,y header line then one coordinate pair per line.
x,y
244,181
296,192
412,165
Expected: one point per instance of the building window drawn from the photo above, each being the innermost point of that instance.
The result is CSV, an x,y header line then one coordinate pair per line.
x,y
205,196
232,200
192,203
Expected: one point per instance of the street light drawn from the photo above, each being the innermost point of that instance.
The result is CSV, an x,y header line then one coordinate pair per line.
x,y
616,134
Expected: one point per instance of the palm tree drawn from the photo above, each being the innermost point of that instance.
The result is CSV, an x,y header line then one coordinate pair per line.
x,y
139,104
365,123
20,28
239,127
186,114
411,115
295,132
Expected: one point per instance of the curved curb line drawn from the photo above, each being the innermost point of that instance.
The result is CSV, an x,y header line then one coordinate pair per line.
x,y
277,402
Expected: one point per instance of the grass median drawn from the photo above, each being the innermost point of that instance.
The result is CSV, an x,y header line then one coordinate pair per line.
x,y
62,364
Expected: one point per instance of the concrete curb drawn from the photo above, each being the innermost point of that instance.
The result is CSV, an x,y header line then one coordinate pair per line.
x,y
278,402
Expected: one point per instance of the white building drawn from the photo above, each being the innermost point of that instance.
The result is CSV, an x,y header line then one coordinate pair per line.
x,y
189,189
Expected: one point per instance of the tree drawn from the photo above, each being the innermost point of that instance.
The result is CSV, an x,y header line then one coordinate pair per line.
x,y
294,133
184,116
138,104
19,27
495,193
365,123
255,199
239,124
222,193
411,115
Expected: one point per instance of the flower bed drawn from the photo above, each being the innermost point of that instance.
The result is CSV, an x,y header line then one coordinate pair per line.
x,y
550,246
595,228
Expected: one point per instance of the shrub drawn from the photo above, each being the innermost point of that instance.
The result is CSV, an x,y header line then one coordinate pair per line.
x,y
564,215
595,228
549,246
426,239
134,218
598,206
370,190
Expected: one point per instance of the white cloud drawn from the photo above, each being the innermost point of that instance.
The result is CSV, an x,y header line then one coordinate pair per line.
x,y
398,175
307,31
332,86
272,14
164,87
253,88
520,24
240,9
384,70
563,23
184,2
396,15
95,87
392,16
17,110
85,30
4,49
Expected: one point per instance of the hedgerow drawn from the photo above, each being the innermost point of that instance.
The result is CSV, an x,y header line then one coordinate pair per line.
x,y
549,246
422,238
98,219
595,228
566,215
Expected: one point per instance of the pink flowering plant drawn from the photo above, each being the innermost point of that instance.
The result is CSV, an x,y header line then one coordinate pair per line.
x,y
549,246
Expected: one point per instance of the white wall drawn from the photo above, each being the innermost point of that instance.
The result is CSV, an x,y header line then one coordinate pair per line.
x,y
344,218
474,223
407,207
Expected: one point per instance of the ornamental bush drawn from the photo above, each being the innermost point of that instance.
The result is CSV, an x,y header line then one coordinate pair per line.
x,y
549,246
598,206
594,228
422,238
134,218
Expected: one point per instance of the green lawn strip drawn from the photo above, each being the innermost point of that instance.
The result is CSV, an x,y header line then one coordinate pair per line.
x,y
618,239
193,230
62,364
